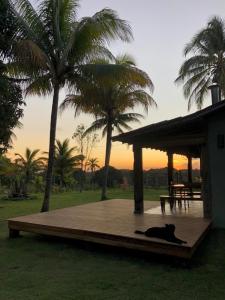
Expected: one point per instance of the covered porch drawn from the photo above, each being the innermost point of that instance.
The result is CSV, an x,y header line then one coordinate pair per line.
x,y
186,136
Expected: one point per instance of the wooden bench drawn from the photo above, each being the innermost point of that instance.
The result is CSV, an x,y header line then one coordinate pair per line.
x,y
172,200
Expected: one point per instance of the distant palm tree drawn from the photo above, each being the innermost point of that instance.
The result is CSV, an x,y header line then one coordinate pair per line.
x,y
206,65
65,160
54,49
108,96
92,163
29,164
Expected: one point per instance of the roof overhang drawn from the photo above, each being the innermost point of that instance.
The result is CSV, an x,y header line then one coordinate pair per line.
x,y
183,135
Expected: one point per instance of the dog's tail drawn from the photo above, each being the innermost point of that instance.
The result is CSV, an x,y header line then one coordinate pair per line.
x,y
178,241
184,242
139,232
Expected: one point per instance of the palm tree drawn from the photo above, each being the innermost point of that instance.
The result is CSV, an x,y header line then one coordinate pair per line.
x,y
65,161
107,97
54,49
29,165
92,163
206,65
108,123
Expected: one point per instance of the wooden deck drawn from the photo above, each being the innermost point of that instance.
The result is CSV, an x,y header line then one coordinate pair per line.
x,y
112,222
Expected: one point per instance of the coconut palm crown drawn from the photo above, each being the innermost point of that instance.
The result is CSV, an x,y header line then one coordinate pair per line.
x,y
29,165
206,64
29,162
65,160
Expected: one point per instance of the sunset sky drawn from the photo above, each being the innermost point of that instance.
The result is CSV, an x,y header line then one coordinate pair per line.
x,y
161,29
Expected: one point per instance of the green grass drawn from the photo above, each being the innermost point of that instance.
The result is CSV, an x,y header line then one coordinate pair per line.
x,y
10,208
35,267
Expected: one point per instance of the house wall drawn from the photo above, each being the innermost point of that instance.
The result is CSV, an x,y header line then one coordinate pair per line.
x,y
216,127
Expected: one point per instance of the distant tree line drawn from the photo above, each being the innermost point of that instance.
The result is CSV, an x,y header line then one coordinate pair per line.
x,y
74,168
159,177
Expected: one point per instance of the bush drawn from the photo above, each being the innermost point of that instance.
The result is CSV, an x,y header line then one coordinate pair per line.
x,y
115,177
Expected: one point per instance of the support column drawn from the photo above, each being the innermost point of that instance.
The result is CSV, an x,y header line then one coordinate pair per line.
x,y
189,169
138,180
206,182
14,233
170,169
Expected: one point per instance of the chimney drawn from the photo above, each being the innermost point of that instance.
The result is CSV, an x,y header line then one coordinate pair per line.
x,y
215,93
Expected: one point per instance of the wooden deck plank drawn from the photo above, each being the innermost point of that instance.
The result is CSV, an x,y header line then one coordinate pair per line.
x,y
112,222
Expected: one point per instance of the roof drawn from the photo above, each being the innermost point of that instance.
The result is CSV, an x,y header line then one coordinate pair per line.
x,y
173,123
182,134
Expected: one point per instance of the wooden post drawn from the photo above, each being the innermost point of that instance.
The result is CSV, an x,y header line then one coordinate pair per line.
x,y
206,182
14,233
138,180
189,169
170,170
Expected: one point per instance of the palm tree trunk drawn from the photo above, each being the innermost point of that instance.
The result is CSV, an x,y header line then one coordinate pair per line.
x,y
107,159
48,184
25,186
92,178
81,174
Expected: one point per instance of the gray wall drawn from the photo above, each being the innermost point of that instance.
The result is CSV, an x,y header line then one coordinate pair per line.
x,y
217,169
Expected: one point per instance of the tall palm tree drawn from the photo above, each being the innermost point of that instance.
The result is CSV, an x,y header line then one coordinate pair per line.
x,y
107,97
65,160
30,164
108,123
54,48
206,65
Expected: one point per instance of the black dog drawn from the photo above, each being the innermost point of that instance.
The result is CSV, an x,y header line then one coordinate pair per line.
x,y
164,233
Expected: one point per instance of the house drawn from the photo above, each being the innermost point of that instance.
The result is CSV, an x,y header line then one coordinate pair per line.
x,y
197,135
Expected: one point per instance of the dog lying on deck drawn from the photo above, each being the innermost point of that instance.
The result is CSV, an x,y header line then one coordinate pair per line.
x,y
164,233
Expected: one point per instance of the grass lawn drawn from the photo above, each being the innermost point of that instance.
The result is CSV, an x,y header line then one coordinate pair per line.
x,y
35,267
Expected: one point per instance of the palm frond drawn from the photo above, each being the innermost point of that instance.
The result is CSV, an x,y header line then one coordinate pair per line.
x,y
96,125
206,65
39,86
126,59
76,102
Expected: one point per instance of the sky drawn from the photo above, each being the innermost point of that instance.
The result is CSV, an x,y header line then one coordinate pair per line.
x,y
161,29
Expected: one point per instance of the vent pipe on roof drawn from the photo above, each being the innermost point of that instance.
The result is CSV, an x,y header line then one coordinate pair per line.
x,y
215,92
